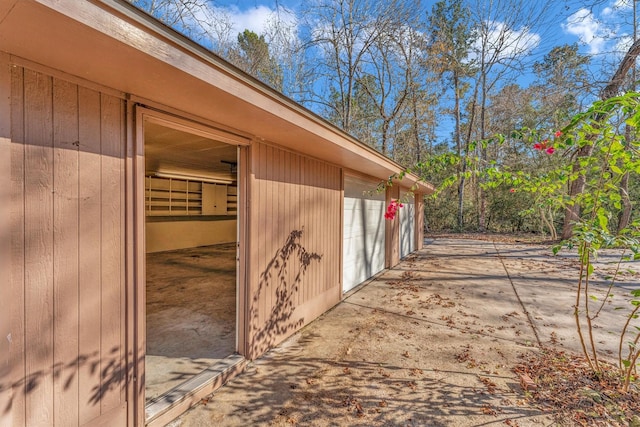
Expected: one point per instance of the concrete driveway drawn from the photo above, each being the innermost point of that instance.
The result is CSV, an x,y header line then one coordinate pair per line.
x,y
429,343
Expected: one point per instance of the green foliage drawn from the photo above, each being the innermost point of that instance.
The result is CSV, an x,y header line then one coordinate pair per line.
x,y
254,56
608,130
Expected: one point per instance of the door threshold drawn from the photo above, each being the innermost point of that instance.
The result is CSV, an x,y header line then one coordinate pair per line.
x,y
174,402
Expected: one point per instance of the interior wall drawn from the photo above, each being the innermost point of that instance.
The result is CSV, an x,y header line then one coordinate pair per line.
x,y
171,235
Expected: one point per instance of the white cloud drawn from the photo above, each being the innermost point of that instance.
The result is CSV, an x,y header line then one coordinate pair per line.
x,y
254,19
500,42
623,44
218,27
259,18
616,7
589,30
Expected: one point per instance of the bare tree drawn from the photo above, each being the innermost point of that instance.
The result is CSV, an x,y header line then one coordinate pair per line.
x,y
196,19
286,46
503,39
419,118
389,61
341,32
451,36
624,217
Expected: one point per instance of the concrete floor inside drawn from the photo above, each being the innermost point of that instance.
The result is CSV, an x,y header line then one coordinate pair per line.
x,y
191,313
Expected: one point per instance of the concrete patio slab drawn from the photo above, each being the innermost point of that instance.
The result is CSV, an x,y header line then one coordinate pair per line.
x,y
430,343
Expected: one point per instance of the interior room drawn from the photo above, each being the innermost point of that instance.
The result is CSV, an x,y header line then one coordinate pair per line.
x,y
191,201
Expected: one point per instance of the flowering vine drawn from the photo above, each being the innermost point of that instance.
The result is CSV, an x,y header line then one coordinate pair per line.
x,y
609,132
544,145
392,209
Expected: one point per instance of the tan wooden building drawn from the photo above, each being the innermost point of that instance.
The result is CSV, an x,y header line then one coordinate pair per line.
x,y
132,159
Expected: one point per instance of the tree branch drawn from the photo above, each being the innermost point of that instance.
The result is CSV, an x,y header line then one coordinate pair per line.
x,y
616,81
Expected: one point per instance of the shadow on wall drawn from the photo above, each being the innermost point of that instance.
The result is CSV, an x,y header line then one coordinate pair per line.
x,y
112,372
277,293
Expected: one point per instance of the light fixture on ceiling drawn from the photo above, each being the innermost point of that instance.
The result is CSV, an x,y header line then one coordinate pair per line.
x,y
193,178
232,165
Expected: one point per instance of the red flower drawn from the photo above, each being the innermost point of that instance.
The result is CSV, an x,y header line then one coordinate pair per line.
x,y
513,190
541,145
558,134
392,209
550,150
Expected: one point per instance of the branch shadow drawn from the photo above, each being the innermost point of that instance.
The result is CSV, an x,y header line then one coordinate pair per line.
x,y
319,391
112,372
276,279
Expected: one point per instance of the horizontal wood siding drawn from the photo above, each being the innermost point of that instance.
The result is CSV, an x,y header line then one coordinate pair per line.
x,y
67,152
294,244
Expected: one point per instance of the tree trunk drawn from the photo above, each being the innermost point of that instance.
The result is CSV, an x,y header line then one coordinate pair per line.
x,y
385,132
482,221
625,214
462,167
416,131
572,212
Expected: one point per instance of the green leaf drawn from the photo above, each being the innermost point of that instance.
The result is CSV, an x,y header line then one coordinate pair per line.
x,y
616,169
603,221
593,297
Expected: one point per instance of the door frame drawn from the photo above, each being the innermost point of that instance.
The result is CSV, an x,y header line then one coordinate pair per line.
x,y
140,115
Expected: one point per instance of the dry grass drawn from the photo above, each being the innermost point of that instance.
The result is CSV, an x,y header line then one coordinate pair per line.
x,y
565,386
520,238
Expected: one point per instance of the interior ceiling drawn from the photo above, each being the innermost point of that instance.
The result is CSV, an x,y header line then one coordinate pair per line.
x,y
176,152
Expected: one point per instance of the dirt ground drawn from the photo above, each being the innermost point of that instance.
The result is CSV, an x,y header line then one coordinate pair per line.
x,y
432,342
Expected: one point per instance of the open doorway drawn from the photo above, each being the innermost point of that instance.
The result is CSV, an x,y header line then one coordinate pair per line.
x,y
191,229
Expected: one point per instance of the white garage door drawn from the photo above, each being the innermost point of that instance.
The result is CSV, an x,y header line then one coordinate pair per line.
x,y
364,232
407,225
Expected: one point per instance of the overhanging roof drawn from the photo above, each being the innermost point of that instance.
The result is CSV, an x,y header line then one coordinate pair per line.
x,y
111,43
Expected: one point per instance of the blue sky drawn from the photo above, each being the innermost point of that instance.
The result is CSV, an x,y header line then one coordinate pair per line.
x,y
599,29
